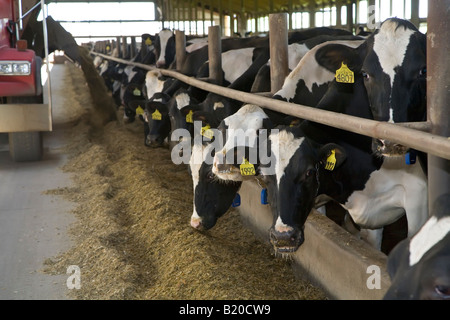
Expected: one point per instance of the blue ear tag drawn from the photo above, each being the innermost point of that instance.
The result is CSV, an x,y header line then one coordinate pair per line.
x,y
410,157
236,201
264,196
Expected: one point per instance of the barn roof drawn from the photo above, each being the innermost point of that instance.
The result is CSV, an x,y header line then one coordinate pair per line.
x,y
236,6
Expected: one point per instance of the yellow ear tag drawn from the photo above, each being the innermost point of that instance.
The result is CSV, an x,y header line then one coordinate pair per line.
x,y
344,74
148,41
189,117
156,115
207,132
331,161
108,48
136,92
247,169
139,111
294,123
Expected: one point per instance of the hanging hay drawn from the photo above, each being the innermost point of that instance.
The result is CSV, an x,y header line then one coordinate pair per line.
x,y
132,236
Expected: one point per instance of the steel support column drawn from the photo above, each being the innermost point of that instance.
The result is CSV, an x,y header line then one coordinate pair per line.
x,y
438,92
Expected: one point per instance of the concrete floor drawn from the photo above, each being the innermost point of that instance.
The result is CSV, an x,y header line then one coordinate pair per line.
x,y
33,225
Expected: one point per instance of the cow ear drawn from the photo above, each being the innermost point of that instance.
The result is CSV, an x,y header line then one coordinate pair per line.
x,y
152,106
191,107
332,56
332,156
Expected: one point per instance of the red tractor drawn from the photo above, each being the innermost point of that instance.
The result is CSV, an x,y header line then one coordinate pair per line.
x,y
24,42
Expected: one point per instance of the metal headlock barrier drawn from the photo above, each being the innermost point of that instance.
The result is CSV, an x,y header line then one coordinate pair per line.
x,y
417,135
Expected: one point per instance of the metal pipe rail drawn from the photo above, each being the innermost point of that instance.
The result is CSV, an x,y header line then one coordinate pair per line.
x,y
413,138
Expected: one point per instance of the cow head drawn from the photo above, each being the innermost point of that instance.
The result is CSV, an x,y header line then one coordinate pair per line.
x,y
241,132
212,197
295,184
164,48
420,267
157,116
393,64
132,99
181,110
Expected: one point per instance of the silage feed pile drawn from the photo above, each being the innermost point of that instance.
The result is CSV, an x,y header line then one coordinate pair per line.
x,y
132,238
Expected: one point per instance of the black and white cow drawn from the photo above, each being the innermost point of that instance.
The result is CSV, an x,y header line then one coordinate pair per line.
x,y
156,116
184,103
164,48
250,119
296,51
308,81
420,266
212,197
393,63
316,159
241,132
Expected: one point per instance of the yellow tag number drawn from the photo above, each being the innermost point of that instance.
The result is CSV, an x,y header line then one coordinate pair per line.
x,y
189,117
331,161
207,132
246,168
156,115
344,74
139,111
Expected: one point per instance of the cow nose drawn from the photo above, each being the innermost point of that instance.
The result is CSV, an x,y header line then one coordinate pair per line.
x,y
196,223
377,145
287,240
160,63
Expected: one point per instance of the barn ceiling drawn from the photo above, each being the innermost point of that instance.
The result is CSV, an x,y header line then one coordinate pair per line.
x,y
236,6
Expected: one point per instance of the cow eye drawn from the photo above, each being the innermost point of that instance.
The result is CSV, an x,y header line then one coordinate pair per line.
x,y
365,75
443,291
210,176
310,173
423,72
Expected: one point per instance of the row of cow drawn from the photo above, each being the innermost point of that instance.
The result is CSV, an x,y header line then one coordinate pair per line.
x,y
361,183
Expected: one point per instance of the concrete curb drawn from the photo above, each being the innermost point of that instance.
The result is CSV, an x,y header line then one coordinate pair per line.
x,y
332,258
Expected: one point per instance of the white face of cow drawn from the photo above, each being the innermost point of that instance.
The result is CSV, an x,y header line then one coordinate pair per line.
x,y
433,231
182,99
241,135
164,36
394,70
195,164
153,83
390,45
420,266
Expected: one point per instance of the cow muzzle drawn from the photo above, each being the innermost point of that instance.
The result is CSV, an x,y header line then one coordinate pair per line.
x,y
160,63
287,241
388,148
196,223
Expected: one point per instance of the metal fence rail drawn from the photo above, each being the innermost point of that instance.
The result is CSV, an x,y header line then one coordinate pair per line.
x,y
416,139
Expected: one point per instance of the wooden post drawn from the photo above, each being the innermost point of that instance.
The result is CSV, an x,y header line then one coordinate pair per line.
x,y
312,13
215,54
180,49
133,47
124,47
119,47
338,15
350,16
415,12
278,41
